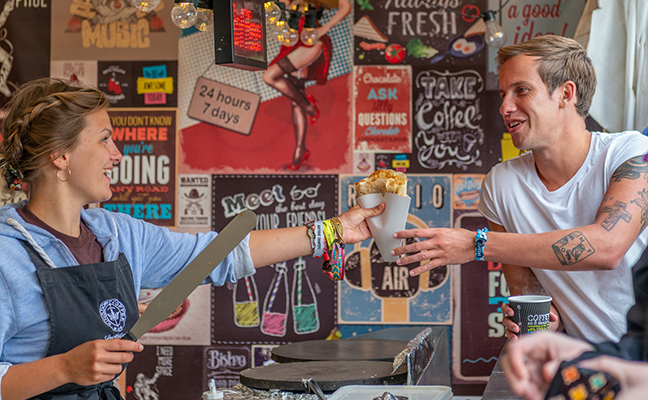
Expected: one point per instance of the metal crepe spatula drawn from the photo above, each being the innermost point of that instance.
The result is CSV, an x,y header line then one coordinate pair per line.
x,y
193,274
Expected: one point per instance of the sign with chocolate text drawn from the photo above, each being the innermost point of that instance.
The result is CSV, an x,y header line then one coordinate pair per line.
x,y
382,108
418,33
478,334
224,106
287,301
378,292
144,182
448,116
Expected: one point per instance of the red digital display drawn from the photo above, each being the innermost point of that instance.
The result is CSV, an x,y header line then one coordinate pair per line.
x,y
248,31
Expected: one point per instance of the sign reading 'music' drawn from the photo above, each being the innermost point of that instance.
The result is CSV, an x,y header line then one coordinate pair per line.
x,y
225,106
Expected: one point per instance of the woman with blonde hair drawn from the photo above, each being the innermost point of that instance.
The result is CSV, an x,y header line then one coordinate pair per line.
x,y
69,275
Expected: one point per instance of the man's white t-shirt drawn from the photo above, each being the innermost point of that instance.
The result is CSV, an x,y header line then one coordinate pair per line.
x,y
592,304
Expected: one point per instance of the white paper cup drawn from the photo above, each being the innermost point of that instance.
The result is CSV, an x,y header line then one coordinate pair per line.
x,y
392,220
531,312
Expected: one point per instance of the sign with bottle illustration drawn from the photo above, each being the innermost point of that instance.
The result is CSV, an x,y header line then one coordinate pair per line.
x,y
418,33
286,301
378,292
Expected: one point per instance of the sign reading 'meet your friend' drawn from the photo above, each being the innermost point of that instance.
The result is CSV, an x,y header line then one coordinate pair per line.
x,y
225,106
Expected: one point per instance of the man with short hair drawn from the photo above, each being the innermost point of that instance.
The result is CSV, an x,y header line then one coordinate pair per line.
x,y
567,217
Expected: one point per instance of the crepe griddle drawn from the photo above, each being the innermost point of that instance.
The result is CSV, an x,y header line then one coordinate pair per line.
x,y
329,375
340,350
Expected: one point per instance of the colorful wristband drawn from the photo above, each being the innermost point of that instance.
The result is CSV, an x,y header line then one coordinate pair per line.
x,y
480,243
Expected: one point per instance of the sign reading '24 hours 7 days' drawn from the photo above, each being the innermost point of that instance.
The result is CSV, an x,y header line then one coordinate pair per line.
x,y
225,106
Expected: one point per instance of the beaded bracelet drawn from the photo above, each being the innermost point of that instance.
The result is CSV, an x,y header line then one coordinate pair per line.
x,y
327,236
480,243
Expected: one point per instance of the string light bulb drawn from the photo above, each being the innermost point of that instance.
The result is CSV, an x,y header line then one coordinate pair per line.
x,y
309,35
146,5
205,16
495,35
292,37
272,12
183,14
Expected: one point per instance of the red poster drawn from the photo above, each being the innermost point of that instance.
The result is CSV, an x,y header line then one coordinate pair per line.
x,y
144,182
382,109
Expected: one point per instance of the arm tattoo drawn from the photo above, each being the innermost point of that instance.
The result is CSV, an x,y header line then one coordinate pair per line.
x,y
572,248
633,169
615,213
642,202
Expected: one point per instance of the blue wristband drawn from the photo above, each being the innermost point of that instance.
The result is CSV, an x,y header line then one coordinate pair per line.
x,y
480,242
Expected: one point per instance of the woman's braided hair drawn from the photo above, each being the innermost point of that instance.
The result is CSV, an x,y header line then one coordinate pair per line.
x,y
44,117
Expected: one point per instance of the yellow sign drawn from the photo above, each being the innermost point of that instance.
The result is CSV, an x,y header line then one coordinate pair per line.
x,y
400,164
160,85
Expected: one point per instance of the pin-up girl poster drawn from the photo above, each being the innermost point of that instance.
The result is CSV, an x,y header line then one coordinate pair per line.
x,y
302,62
302,124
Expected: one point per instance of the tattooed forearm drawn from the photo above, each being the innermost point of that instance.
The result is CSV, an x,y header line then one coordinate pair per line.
x,y
642,202
572,248
615,213
633,169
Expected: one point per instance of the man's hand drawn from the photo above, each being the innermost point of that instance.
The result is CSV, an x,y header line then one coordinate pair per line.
x,y
441,246
512,329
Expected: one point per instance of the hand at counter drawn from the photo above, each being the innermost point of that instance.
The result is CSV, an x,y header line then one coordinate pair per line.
x,y
531,362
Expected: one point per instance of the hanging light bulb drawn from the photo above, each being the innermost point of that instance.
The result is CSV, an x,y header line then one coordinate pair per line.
x,y
205,15
183,14
146,5
495,34
272,12
292,37
280,29
309,35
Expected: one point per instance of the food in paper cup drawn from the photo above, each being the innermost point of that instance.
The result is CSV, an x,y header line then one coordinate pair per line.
x,y
390,187
383,181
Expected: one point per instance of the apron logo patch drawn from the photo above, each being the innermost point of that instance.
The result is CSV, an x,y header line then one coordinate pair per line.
x,y
113,314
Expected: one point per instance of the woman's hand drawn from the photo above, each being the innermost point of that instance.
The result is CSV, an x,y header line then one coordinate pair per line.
x,y
98,361
354,222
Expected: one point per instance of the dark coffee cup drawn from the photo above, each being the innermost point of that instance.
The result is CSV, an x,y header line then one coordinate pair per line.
x,y
531,312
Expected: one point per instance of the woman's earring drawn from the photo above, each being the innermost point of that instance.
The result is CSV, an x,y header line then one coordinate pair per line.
x,y
68,177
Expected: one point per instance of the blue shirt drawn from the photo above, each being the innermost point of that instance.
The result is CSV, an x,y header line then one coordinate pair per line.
x,y
156,255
